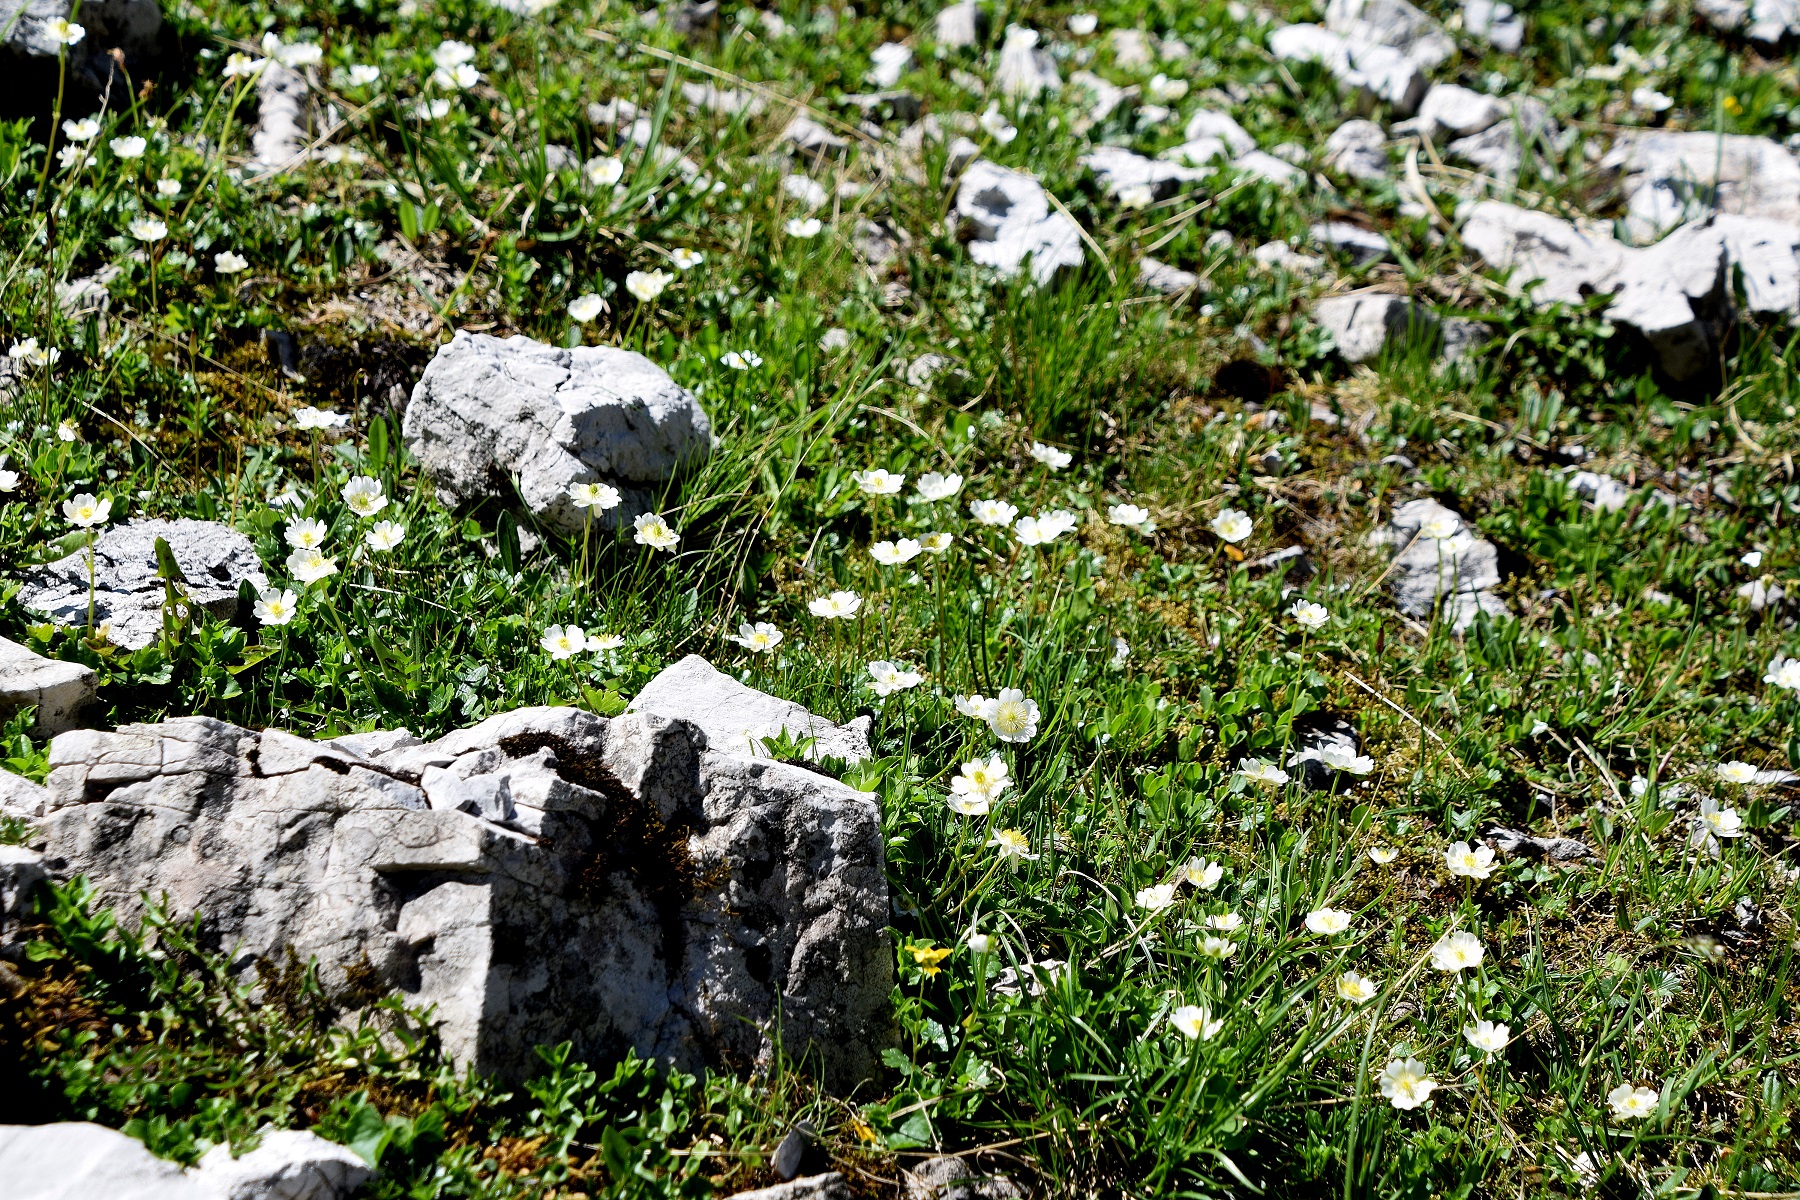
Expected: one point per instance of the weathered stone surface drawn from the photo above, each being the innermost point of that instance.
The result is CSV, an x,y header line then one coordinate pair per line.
x,y
1283,257
729,101
960,25
546,875
1024,70
74,1160
1765,21
1606,493
1356,149
1266,166
1452,111
1293,560
128,594
1494,23
735,716
21,871
1394,23
829,1186
1131,48
891,60
1363,324
488,410
1500,149
1212,134
807,137
58,690
130,26
878,243
1361,246
951,1177
1558,849
1670,177
1460,568
19,797
1013,222
1384,74
1161,277
1462,337
1107,96
282,131
1119,169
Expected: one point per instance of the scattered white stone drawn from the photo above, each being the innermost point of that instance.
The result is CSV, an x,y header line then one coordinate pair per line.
x,y
1606,493
1494,23
128,594
1161,277
952,1177
729,101
1357,149
891,61
1283,257
1119,169
1459,569
1131,49
1670,177
1462,337
1024,70
289,1164
808,191
1382,72
1394,23
545,417
1361,246
1107,96
878,243
1363,324
1266,166
282,132
1765,21
75,1160
58,690
959,25
1500,149
1452,111
810,138
1211,135
1013,222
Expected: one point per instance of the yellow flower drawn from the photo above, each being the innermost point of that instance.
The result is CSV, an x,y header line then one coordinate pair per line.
x,y
928,957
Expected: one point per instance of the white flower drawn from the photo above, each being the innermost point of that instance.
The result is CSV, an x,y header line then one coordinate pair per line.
x,y
1357,989
1233,525
460,78
604,643
1011,844
9,481
1134,196
1486,1035
308,417
1257,771
128,147
980,943
1405,1083
586,307
892,554
73,157
1011,716
997,126
1197,872
805,189
937,543
1082,24
879,482
1716,822
1165,90
1338,758
1196,1022
759,638
1476,863
972,705
1132,517
385,535
979,783
363,495
563,641
1440,526
1328,922
362,75
1308,615
1381,856
933,486
741,360
242,66
1157,897
1784,673
229,262
275,606
85,512
431,110
1633,1103
84,130
839,605
1224,922
63,32
1121,652
452,54
1650,100
652,531
148,229
292,54
647,285
1737,772
603,171
1214,946
310,566
804,227
1050,456
685,259
889,678
65,431
305,534
1457,952
993,512
168,188
597,496
1044,528
28,351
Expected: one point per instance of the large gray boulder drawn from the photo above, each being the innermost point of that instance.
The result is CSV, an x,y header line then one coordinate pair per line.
x,y
76,1160
129,26
493,414
1670,177
57,690
129,595
736,717
1440,557
1013,222
547,875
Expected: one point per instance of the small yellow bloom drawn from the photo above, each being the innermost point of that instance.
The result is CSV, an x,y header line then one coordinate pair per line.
x,y
928,957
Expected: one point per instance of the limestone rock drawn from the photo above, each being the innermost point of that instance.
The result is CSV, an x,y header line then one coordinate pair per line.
x,y
21,871
1161,277
877,109
1222,129
960,25
951,1177
1512,842
620,884
74,1160
1363,324
829,1186
1463,336
488,410
891,61
58,690
1500,149
282,133
1460,568
1107,96
1495,23
1765,21
1382,73
1131,48
128,594
735,717
19,797
1013,222
1394,23
1266,166
1356,149
1607,493
1283,257
878,243
130,26
729,101
807,137
1119,169
1451,111
1361,246
1669,177
1024,70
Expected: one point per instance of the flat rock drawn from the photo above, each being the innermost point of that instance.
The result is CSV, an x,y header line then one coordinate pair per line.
x,y
1764,21
1357,148
128,595
1495,23
490,411
19,797
952,1177
1452,111
829,1186
677,899
1500,149
1266,166
1107,96
1512,842
1119,169
1024,70
1362,325
75,1160
735,716
58,690
1381,73
1460,570
732,102
1670,177
1393,23
1012,223
1361,246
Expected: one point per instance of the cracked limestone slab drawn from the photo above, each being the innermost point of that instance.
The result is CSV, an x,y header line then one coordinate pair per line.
x,y
57,690
1459,569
